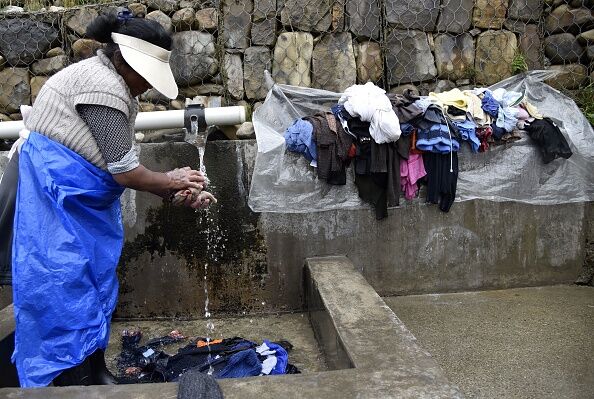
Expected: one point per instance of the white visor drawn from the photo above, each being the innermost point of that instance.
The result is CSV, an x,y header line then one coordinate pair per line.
x,y
149,61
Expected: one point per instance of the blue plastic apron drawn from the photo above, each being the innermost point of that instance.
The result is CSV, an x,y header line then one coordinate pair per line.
x,y
67,241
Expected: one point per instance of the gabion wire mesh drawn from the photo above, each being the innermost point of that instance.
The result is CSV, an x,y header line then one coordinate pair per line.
x,y
222,47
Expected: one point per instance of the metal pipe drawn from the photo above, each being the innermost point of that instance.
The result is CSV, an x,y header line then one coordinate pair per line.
x,y
155,120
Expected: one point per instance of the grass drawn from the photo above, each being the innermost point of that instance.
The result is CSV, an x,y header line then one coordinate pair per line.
x,y
519,63
584,98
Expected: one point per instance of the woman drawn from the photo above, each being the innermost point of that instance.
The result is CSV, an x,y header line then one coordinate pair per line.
x,y
72,169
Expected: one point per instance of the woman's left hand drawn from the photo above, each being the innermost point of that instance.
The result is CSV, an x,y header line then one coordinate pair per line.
x,y
203,200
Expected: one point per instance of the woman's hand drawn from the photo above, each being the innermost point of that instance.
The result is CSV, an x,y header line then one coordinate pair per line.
x,y
183,178
204,200
193,198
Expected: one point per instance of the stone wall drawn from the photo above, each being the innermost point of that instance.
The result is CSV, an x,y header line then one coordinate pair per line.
x,y
222,47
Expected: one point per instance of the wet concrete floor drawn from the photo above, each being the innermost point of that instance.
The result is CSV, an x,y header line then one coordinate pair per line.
x,y
514,343
293,327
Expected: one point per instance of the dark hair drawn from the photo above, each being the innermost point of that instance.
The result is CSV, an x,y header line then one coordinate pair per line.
x,y
151,31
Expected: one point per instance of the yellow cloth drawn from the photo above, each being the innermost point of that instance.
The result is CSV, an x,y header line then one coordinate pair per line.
x,y
453,97
475,107
532,110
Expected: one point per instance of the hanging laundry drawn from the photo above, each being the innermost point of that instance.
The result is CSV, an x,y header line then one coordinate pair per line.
x,y
442,179
489,104
332,147
455,113
299,138
532,110
474,108
377,169
370,103
453,97
523,115
547,135
404,106
497,131
484,134
507,117
411,171
467,130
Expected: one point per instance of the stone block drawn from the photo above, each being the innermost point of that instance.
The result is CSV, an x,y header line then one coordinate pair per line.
x,y
162,19
166,6
308,16
566,19
183,19
495,52
292,58
22,41
15,89
563,48
531,46
256,61
193,57
370,64
489,14
207,19
233,69
412,14
570,77
454,55
264,32
237,21
333,62
85,48
455,16
525,10
81,19
49,66
409,57
364,18
36,83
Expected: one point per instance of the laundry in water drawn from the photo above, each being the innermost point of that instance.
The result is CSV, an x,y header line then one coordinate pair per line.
x,y
228,358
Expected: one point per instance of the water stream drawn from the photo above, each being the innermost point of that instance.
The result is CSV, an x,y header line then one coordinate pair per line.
x,y
210,239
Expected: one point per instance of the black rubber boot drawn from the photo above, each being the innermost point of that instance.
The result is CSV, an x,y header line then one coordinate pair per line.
x,y
77,375
101,374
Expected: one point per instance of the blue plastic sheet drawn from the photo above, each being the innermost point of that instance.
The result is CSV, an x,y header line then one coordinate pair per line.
x,y
68,239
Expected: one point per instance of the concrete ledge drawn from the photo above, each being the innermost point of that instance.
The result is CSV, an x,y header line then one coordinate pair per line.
x,y
329,385
356,328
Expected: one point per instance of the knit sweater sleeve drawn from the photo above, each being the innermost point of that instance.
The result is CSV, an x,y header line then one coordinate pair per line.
x,y
111,131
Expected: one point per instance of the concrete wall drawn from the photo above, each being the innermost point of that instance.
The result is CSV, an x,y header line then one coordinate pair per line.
x,y
255,261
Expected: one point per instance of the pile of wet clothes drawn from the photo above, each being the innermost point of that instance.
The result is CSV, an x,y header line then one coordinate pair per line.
x,y
396,142
222,358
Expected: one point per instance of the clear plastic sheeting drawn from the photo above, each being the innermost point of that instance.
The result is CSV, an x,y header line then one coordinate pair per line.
x,y
284,182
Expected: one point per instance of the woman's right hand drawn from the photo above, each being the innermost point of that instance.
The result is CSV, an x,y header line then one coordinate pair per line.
x,y
183,178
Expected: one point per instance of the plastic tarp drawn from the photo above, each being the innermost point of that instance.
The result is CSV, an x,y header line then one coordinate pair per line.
x,y
68,238
284,182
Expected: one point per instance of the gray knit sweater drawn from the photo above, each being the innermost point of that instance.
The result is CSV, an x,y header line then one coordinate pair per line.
x,y
91,81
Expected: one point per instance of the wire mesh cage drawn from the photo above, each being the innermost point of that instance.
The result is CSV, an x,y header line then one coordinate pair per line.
x,y
221,48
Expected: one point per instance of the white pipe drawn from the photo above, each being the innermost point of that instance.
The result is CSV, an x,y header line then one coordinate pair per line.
x,y
155,120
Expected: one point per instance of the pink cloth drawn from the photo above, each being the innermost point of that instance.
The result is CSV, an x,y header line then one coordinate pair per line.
x,y
411,170
523,114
